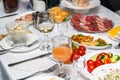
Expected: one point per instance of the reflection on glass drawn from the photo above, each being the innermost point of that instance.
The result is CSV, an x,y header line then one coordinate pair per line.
x,y
61,51
45,25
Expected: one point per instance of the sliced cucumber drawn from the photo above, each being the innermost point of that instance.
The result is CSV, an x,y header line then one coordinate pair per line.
x,y
111,54
115,58
94,57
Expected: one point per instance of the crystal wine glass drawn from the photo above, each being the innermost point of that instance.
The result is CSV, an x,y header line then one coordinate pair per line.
x,y
45,25
61,51
62,27
78,65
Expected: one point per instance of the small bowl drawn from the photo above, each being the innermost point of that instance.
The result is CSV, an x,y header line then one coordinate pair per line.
x,y
17,31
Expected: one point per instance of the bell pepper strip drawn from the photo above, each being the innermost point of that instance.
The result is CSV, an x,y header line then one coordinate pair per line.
x,y
102,55
107,60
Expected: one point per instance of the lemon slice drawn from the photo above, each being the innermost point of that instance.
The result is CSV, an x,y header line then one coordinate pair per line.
x,y
114,32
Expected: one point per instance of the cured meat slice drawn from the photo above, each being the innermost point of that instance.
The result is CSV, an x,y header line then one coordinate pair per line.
x,y
92,23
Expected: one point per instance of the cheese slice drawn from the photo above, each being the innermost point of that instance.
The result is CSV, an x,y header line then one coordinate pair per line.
x,y
114,32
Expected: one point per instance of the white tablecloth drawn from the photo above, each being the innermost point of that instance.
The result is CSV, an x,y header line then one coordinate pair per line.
x,y
29,67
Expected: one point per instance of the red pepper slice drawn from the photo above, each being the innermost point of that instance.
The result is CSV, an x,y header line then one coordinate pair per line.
x,y
103,53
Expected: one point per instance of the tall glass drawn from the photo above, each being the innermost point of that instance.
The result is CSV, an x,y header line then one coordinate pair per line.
x,y
45,25
61,51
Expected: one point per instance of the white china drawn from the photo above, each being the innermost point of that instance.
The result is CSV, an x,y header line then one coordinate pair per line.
x,y
30,38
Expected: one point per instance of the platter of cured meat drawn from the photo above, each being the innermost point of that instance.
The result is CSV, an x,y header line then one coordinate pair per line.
x,y
90,23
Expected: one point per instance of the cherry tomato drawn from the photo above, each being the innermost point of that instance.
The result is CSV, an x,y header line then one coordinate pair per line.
x,y
74,56
75,51
82,48
98,63
81,52
90,68
90,62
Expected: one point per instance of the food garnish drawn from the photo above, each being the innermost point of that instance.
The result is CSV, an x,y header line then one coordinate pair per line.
x,y
89,40
101,59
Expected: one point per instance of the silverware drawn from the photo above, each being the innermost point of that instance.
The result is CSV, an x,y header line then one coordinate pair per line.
x,y
51,69
28,45
40,56
9,15
118,46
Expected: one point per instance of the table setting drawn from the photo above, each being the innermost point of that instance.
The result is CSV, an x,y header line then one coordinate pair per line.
x,y
61,43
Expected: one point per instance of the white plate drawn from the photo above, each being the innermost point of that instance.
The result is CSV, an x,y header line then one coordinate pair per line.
x,y
104,70
30,38
92,4
22,15
89,55
45,77
95,37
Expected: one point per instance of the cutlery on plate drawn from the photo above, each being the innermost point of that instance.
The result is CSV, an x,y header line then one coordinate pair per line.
x,y
28,45
51,69
40,56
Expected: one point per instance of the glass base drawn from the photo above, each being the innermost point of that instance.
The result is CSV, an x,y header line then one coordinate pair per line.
x,y
62,75
45,47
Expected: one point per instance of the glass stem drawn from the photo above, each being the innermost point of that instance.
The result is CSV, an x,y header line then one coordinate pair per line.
x,y
61,68
61,73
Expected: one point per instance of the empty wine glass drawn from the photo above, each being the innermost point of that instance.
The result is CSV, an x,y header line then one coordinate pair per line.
x,y
62,28
24,4
45,25
78,65
61,51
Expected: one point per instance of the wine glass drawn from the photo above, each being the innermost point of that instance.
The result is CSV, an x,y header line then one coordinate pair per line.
x,y
45,25
24,4
61,51
62,27
78,65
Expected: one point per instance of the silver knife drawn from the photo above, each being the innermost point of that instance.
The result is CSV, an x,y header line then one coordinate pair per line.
x,y
9,15
40,56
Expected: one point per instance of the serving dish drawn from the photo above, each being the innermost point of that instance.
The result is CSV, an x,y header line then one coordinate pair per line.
x,y
114,33
6,44
96,42
102,71
85,72
92,4
91,23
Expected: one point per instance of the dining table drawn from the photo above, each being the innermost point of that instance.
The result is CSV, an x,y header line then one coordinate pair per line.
x,y
29,67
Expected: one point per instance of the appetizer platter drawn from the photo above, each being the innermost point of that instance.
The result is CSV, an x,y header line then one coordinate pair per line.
x,y
98,59
91,41
90,23
107,72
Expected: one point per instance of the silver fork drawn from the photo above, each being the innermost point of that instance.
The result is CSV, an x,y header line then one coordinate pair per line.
x,y
51,69
29,45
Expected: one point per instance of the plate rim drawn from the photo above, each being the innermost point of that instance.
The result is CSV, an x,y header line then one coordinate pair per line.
x,y
80,8
16,51
93,47
87,56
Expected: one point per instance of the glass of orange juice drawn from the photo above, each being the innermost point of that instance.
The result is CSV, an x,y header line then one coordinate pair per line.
x,y
61,51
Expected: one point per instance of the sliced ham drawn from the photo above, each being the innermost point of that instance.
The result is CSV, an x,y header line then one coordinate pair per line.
x,y
91,23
